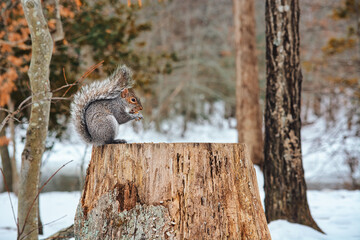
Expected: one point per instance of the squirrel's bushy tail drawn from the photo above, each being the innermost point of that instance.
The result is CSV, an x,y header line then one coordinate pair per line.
x,y
109,88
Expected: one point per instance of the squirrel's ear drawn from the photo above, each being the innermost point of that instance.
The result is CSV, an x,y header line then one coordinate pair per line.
x,y
124,92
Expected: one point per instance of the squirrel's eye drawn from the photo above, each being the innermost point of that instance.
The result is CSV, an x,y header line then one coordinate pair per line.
x,y
133,100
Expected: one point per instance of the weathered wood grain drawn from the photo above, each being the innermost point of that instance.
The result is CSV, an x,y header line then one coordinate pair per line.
x,y
171,191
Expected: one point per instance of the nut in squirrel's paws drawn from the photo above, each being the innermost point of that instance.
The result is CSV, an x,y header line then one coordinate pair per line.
x,y
138,117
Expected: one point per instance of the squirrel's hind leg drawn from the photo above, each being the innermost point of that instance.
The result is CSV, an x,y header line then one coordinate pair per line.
x,y
103,128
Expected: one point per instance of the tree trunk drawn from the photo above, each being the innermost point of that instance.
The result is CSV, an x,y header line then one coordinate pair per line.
x,y
15,173
5,157
248,113
42,45
317,105
285,188
6,166
170,191
40,225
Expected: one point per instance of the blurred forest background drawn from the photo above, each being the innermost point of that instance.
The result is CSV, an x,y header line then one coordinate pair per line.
x,y
183,57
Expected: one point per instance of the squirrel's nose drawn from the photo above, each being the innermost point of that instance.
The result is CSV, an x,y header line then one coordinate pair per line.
x,y
141,108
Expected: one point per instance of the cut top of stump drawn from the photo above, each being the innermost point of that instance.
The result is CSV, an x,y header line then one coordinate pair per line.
x,y
171,191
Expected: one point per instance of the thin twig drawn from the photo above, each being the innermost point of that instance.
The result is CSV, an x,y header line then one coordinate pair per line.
x,y
53,221
28,85
9,112
65,76
24,103
65,233
23,237
64,86
54,99
37,195
22,106
5,110
87,73
11,204
14,113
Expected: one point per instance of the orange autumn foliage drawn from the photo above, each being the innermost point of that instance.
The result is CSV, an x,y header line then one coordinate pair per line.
x,y
7,85
78,4
4,141
66,12
15,60
15,43
14,33
5,48
139,3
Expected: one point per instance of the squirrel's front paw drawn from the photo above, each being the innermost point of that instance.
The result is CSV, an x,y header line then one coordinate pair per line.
x,y
138,116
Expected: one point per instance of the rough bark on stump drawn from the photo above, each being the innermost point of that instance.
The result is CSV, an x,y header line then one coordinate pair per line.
x,y
170,191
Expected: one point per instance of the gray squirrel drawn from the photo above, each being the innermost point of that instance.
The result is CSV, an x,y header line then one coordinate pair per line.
x,y
99,108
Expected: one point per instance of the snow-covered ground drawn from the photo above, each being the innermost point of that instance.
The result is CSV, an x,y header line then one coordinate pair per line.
x,y
329,147
57,211
337,212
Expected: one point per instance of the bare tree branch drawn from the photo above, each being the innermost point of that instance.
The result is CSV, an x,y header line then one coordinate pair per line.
x,y
25,103
36,197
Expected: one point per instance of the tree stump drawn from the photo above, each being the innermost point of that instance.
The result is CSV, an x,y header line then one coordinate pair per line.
x,y
170,191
